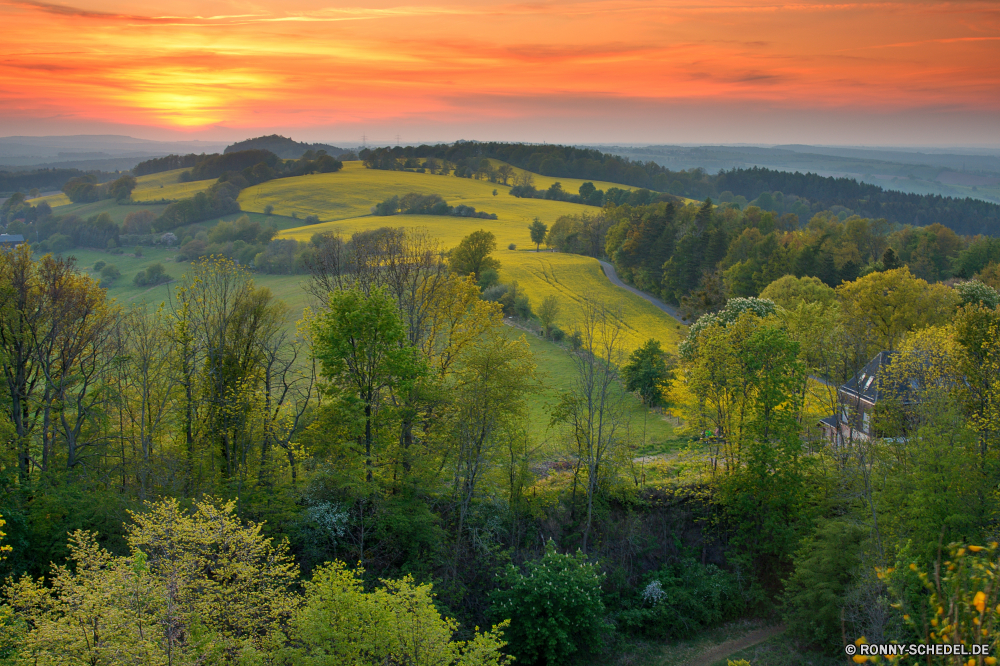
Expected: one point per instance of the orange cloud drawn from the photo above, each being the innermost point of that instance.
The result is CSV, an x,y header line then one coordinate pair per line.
x,y
308,64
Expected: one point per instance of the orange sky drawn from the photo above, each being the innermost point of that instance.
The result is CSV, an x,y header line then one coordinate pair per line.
x,y
911,72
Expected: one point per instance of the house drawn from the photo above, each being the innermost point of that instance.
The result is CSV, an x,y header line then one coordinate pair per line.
x,y
10,240
857,400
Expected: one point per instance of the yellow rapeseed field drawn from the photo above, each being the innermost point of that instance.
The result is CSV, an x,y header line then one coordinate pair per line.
x,y
170,191
573,279
352,192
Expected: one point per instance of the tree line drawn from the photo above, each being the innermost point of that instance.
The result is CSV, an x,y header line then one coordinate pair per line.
x,y
964,216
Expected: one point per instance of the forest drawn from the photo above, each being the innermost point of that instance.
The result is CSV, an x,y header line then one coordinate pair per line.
x,y
206,481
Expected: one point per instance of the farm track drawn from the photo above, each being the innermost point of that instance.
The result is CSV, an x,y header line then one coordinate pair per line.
x,y
723,650
612,275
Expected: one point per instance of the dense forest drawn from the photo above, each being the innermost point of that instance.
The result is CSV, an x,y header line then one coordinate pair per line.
x,y
47,179
287,148
964,216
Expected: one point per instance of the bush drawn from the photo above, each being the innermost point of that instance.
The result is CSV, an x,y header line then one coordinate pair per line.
x,y
489,278
494,293
682,598
554,608
311,219
522,306
268,209
512,246
110,273
153,275
558,334
99,265
576,340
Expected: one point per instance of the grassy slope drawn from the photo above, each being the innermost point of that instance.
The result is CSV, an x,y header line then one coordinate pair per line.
x,y
352,192
557,372
288,288
163,185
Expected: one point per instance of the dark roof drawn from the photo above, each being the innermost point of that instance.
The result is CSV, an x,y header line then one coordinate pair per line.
x,y
830,421
11,238
869,386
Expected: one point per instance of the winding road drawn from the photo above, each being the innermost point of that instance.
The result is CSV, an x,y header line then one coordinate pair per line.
x,y
609,272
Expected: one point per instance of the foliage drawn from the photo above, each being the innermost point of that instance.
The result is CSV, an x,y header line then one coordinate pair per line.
x,y
648,374
789,291
814,594
538,229
196,585
340,623
975,292
680,599
554,607
960,601
472,256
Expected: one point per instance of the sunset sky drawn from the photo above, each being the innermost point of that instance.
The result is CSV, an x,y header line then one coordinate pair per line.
x,y
597,71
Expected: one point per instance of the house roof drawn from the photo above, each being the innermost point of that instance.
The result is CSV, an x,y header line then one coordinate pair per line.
x,y
830,422
868,386
11,238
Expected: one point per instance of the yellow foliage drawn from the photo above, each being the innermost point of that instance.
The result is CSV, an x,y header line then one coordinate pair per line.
x,y
340,623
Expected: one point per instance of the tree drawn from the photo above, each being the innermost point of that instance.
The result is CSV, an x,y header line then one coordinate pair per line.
x,y
195,586
789,291
595,409
139,222
880,308
397,623
360,342
554,607
121,189
538,230
548,311
889,260
472,256
492,379
648,374
504,172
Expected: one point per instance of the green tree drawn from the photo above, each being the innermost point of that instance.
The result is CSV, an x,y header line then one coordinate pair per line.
x,y
789,291
538,230
548,311
397,623
648,374
472,256
361,343
554,607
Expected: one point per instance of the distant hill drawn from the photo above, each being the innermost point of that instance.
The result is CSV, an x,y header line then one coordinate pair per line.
x,y
283,147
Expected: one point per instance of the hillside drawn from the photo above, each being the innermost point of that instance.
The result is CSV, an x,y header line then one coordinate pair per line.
x,y
283,146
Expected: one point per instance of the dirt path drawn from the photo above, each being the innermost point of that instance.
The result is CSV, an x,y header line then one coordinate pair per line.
x,y
723,650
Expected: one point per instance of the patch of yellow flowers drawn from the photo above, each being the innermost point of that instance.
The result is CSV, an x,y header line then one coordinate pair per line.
x,y
963,606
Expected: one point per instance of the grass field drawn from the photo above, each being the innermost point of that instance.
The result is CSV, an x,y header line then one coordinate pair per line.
x,y
163,185
556,373
288,288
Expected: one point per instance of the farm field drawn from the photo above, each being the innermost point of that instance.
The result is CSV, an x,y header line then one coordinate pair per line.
x,y
351,192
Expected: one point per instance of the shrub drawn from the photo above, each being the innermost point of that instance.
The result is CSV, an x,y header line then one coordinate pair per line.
x,y
682,598
99,265
522,306
268,209
311,219
576,340
110,273
489,278
512,246
554,607
494,293
558,334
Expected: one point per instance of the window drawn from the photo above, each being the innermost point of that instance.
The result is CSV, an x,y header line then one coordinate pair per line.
x,y
844,414
867,422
